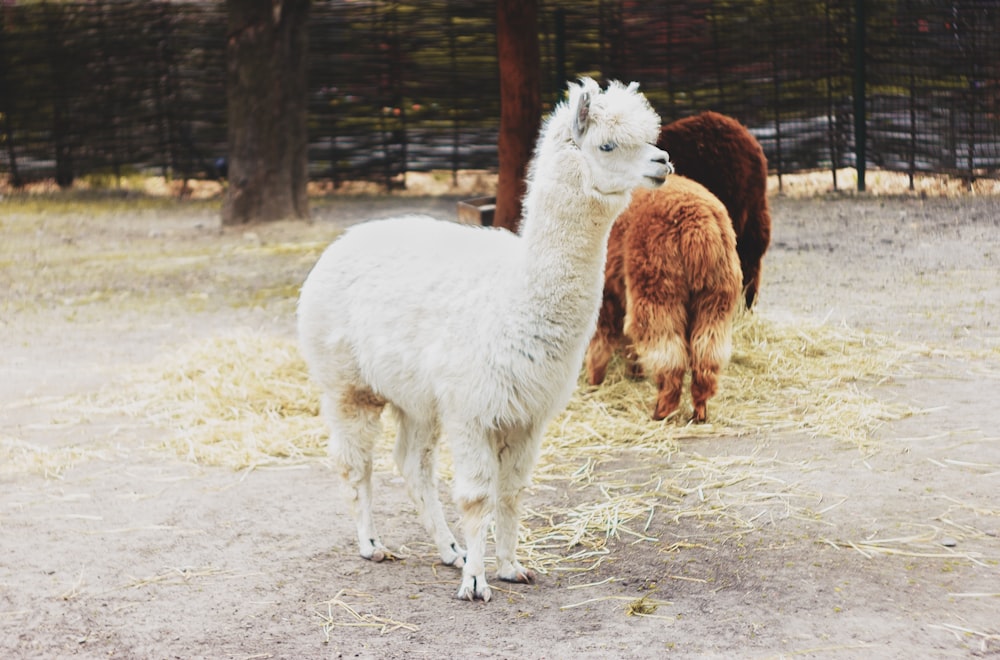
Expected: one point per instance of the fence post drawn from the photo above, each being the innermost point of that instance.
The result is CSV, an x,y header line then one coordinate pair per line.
x,y
456,129
776,91
832,115
860,101
6,101
560,38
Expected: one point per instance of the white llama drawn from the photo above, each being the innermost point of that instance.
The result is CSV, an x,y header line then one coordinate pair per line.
x,y
475,333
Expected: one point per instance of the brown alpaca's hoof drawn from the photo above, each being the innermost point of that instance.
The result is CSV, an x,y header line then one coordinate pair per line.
x,y
662,413
700,414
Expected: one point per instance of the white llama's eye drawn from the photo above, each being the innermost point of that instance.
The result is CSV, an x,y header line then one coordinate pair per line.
x,y
607,146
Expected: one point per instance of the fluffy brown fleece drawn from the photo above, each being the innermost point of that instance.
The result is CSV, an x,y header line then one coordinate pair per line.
x,y
672,282
721,154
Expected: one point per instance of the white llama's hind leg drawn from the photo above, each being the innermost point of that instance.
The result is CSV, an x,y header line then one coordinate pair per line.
x,y
416,457
516,463
476,471
354,419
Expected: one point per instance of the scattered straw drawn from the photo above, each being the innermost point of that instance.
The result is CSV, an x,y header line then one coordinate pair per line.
x,y
14,613
592,584
355,619
816,650
19,456
975,595
645,606
987,640
240,401
601,599
921,546
783,378
74,590
878,182
244,401
177,576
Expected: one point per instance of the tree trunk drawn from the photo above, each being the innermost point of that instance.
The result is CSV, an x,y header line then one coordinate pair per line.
x,y
520,103
266,111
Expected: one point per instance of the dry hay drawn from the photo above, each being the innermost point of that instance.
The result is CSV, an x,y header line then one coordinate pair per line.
x,y
18,456
341,614
239,401
878,182
989,642
244,401
782,378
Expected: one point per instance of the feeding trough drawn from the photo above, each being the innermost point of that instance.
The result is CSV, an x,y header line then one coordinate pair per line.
x,y
477,211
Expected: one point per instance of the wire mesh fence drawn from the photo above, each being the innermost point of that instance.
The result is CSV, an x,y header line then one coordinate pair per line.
x,y
110,87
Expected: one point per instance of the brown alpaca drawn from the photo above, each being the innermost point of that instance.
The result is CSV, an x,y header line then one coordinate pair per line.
x,y
673,276
720,154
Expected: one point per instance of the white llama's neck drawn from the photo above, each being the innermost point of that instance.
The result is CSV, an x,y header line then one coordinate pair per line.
x,y
564,224
565,230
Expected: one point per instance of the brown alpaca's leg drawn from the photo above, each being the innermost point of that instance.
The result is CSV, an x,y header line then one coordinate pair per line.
x,y
711,344
662,354
605,340
657,331
704,385
598,355
609,331
751,247
750,265
668,384
656,317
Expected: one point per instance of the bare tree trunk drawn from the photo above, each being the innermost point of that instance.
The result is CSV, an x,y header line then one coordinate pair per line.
x,y
520,103
266,111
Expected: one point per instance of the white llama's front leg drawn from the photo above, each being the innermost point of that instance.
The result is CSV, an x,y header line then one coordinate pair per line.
x,y
476,514
516,463
369,542
416,457
475,495
353,430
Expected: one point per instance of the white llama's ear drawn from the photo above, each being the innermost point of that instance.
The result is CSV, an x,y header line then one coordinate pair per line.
x,y
582,116
633,87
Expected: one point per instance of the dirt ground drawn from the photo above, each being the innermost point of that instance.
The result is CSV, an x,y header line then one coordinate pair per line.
x,y
115,548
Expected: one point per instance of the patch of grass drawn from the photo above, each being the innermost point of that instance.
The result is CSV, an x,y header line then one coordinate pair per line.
x,y
140,260
98,203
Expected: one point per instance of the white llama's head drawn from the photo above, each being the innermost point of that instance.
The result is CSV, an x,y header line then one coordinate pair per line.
x,y
616,132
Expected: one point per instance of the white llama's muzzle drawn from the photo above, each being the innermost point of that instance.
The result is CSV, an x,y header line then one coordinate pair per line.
x,y
660,167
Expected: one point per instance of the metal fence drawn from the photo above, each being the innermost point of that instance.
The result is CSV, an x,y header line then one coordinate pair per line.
x,y
109,87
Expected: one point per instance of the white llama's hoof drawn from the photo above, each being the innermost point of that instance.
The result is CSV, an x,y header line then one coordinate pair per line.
x,y
454,556
515,572
375,551
474,587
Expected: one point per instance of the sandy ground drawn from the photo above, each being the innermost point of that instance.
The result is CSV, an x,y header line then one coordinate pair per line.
x,y
111,547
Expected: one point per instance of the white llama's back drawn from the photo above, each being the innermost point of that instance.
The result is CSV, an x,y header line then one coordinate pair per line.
x,y
409,301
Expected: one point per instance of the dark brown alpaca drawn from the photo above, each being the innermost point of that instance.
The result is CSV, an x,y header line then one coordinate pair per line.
x,y
720,153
